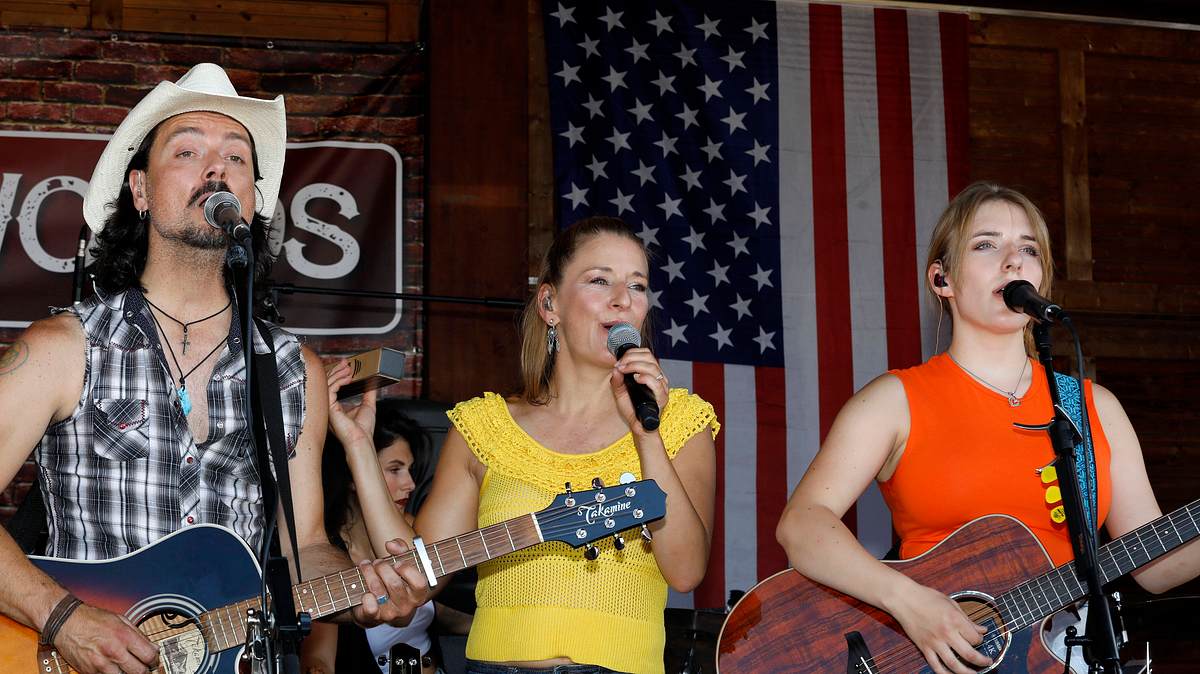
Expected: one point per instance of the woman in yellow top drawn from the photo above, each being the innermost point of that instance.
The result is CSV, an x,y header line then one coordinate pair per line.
x,y
549,608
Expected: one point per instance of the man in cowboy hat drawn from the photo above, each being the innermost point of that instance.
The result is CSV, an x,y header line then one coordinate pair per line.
x,y
134,400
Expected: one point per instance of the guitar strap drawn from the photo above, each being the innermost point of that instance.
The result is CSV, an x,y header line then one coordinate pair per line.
x,y
1085,457
266,375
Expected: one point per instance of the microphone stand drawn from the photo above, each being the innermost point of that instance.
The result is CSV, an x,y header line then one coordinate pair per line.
x,y
1099,644
275,634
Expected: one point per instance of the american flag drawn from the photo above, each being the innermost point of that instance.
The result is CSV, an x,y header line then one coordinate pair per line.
x,y
784,162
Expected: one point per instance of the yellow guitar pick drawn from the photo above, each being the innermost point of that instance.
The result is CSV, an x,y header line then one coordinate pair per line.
x,y
1053,494
1049,474
1058,515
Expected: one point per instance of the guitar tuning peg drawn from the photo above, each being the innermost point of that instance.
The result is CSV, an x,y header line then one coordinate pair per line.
x,y
597,483
591,552
646,535
568,488
618,542
627,477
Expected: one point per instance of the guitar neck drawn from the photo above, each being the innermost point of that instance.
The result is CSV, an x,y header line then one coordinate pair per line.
x,y
1033,600
226,627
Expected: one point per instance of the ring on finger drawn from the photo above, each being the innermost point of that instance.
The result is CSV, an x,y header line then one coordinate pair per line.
x,y
659,377
381,599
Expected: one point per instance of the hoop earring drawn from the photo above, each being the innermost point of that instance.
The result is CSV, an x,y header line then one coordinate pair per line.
x,y
144,216
551,341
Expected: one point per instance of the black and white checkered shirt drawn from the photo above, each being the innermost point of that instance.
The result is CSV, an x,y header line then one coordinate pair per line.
x,y
124,469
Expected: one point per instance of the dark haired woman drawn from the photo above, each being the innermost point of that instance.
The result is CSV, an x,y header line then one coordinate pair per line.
x,y
369,470
940,441
548,607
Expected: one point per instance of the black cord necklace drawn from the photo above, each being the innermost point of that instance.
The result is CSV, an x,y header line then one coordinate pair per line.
x,y
189,323
185,400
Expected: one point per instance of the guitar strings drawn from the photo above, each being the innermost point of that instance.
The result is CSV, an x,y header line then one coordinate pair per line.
x,y
1107,563
549,522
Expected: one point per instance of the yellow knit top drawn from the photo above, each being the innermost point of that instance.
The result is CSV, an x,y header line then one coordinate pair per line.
x,y
548,601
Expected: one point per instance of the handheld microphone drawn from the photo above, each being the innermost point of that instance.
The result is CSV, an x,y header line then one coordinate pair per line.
x,y
80,258
1022,297
223,211
621,338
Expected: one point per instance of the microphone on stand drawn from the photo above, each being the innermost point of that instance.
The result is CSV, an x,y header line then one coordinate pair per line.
x,y
223,211
1023,298
80,257
621,338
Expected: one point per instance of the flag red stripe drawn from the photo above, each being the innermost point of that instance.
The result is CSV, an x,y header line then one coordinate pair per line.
x,y
831,267
898,191
708,381
770,395
953,31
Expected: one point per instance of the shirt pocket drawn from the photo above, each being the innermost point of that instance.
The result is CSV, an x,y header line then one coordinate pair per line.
x,y
120,429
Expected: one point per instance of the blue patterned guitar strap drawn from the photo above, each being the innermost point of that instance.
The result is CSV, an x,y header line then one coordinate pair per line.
x,y
1085,456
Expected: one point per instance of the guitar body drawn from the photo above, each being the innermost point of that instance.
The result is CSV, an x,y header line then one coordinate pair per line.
x,y
788,623
158,587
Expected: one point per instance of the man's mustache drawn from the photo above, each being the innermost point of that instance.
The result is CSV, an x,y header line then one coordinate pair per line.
x,y
208,188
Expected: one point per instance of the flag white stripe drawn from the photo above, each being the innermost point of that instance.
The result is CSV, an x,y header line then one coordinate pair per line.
x,y
741,493
679,375
864,196
864,208
930,172
796,240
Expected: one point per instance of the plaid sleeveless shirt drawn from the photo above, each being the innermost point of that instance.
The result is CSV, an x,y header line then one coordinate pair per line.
x,y
124,470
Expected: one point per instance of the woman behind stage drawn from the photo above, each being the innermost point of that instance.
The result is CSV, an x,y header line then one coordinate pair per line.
x,y
549,607
939,438
369,470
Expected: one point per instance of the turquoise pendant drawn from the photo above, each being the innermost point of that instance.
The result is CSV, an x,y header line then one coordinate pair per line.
x,y
185,401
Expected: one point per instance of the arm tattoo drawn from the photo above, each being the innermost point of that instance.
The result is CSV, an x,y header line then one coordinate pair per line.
x,y
14,357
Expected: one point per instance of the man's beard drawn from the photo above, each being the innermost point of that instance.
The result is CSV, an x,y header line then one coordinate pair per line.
x,y
205,238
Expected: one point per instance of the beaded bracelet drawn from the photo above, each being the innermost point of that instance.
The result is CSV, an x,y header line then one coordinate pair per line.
x,y
58,617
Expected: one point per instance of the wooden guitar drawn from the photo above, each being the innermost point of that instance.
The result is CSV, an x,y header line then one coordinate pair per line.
x,y
189,592
993,566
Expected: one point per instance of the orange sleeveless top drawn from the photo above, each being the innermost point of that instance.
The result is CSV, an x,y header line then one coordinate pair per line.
x,y
964,459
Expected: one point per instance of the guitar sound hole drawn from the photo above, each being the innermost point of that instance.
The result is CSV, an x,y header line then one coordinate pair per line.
x,y
181,645
980,608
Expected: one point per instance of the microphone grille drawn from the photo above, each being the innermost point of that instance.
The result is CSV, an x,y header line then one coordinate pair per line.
x,y
217,200
623,334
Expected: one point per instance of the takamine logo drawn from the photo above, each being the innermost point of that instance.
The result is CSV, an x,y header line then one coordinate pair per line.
x,y
592,512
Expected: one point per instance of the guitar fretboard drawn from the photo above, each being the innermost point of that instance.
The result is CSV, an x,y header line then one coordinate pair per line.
x,y
1035,599
225,627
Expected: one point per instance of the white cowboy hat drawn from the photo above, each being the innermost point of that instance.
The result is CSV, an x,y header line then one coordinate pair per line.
x,y
205,87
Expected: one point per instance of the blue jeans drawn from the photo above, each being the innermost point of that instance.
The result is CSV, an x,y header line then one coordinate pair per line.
x,y
476,667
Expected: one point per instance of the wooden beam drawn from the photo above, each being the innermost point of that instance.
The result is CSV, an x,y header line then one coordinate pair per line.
x,y
44,13
1177,302
991,29
404,21
107,14
541,147
281,19
1072,107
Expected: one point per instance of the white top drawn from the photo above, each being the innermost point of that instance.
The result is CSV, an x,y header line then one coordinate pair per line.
x,y
416,634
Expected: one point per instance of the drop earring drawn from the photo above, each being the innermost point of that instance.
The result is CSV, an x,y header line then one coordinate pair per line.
x,y
551,340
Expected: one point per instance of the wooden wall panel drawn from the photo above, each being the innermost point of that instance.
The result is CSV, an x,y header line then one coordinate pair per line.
x,y
478,205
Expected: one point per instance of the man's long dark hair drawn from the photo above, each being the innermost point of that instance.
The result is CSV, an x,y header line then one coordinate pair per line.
x,y
119,251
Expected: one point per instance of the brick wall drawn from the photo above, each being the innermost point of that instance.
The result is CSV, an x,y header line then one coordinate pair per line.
x,y
86,81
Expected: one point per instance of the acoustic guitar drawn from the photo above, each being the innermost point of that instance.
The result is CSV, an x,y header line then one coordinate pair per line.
x,y
993,567
190,591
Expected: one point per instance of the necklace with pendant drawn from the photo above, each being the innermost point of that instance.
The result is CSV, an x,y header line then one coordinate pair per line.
x,y
185,400
188,324
1013,400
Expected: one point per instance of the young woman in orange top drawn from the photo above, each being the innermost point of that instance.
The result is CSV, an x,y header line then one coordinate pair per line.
x,y
939,438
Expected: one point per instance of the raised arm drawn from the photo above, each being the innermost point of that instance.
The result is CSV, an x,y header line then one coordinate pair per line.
x,y
41,380
355,428
869,433
403,588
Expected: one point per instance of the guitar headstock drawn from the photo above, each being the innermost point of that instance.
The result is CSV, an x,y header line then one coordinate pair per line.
x,y
581,517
